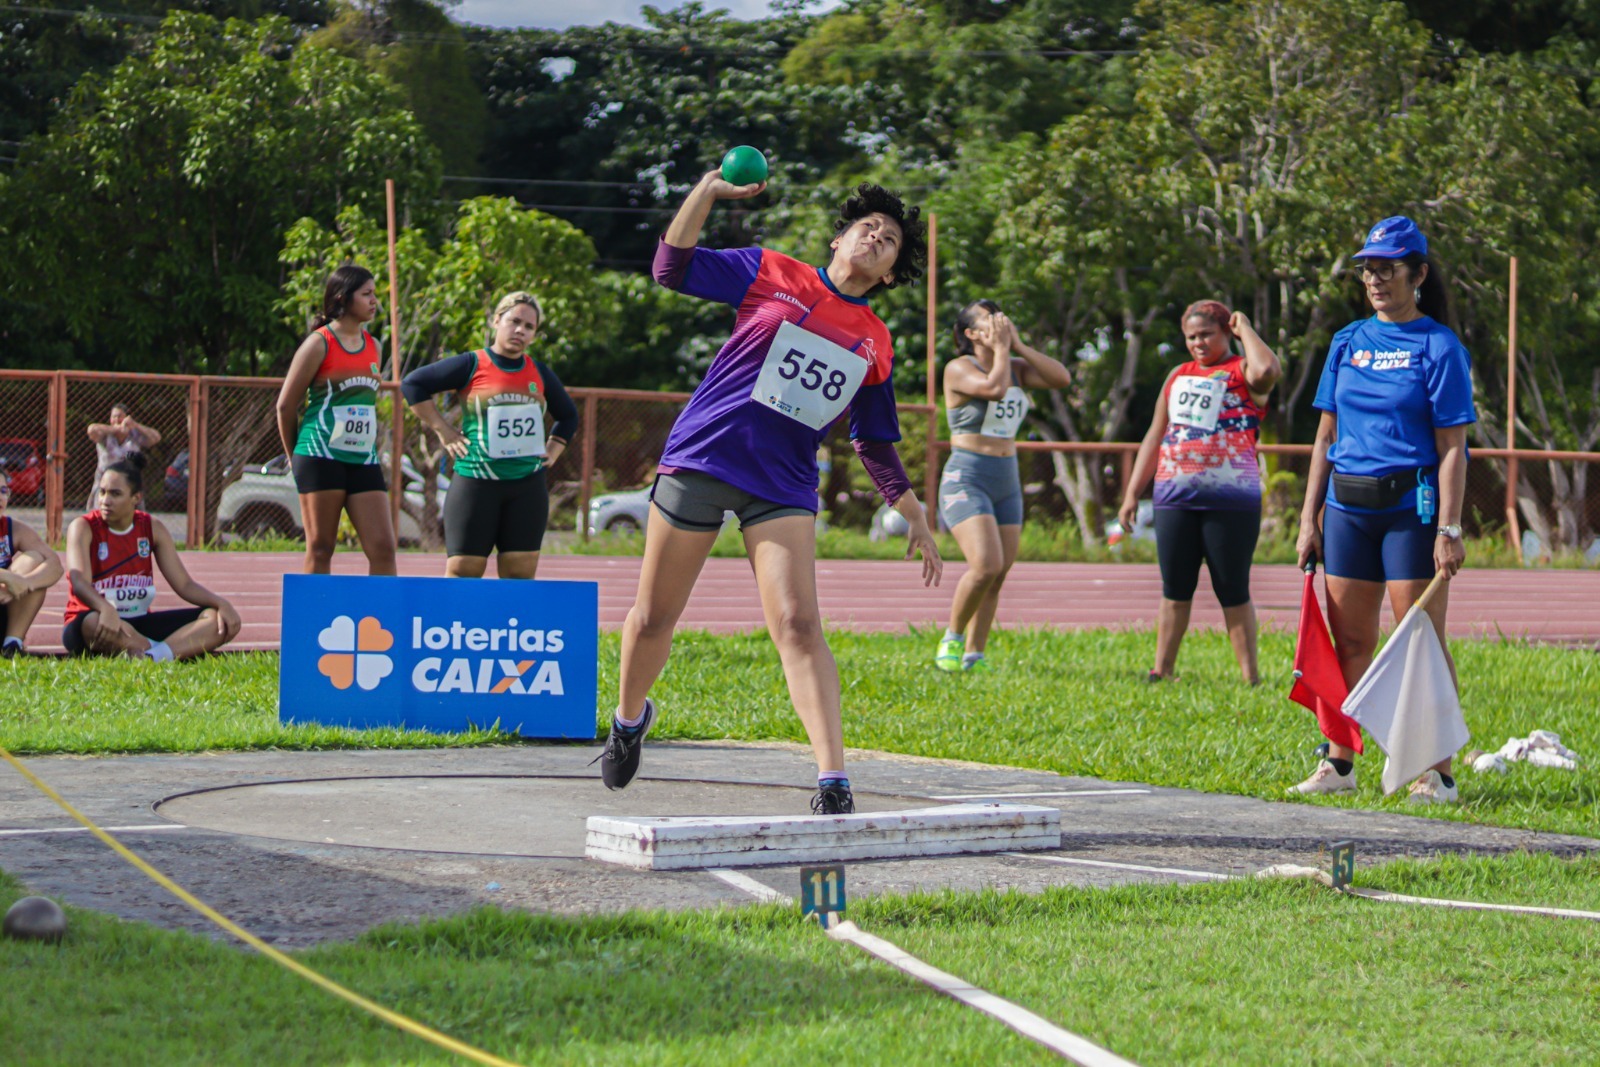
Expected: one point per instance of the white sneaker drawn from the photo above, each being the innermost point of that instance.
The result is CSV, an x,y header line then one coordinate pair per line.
x,y
1430,789
1326,779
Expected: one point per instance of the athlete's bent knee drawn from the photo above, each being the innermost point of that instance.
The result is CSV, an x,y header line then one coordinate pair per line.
x,y
797,629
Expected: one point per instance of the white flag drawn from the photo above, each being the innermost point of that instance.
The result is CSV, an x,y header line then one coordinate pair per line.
x,y
1408,703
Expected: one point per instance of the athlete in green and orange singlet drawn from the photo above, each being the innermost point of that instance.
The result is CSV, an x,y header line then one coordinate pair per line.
x,y
328,421
498,498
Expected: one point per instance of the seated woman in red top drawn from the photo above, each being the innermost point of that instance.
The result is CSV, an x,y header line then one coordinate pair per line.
x,y
111,559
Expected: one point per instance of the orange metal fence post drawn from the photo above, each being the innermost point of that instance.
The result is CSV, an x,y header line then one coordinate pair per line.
x,y
930,486
55,456
591,405
199,459
1512,473
397,443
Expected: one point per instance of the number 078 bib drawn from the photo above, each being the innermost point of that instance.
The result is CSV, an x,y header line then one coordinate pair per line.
x,y
808,378
1196,401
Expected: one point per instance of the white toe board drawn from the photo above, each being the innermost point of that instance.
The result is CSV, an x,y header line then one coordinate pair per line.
x,y
679,843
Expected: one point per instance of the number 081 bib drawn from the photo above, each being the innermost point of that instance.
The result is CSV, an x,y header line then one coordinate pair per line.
x,y
1196,401
808,378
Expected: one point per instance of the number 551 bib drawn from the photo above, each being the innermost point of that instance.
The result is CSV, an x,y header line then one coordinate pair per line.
x,y
808,378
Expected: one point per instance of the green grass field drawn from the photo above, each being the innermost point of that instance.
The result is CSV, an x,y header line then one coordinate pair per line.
x,y
1245,972
1069,702
1240,973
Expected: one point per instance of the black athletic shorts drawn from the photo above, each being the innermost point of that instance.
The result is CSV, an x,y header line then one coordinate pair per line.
x,y
483,514
1225,540
313,474
156,625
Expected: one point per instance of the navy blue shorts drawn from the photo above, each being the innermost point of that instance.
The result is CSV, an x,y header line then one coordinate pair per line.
x,y
1377,546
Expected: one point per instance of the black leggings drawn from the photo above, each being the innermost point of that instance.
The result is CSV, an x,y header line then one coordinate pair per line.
x,y
1226,540
483,514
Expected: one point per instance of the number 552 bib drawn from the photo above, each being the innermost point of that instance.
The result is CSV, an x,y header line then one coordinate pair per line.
x,y
808,378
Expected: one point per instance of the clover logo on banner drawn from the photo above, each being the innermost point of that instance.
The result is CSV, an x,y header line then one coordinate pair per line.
x,y
354,654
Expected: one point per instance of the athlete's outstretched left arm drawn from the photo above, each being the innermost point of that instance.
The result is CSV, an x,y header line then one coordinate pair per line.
x,y
177,576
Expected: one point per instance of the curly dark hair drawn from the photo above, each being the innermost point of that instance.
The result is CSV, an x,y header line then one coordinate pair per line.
x,y
875,199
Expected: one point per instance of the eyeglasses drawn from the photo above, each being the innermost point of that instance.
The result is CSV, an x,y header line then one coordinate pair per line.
x,y
1382,271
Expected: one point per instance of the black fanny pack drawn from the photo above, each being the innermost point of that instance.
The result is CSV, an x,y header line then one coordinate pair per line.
x,y
1376,492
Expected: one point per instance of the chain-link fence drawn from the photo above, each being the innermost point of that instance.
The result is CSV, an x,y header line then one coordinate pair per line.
x,y
216,468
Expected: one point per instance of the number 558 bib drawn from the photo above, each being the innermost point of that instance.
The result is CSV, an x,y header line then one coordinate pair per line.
x,y
808,378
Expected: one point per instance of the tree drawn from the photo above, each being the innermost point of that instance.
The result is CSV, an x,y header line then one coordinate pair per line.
x,y
415,44
145,225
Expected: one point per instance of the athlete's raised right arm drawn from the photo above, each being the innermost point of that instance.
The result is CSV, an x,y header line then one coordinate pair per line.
x,y
307,358
691,217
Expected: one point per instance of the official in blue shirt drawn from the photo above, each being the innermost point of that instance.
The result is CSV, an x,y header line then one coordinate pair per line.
x,y
1396,400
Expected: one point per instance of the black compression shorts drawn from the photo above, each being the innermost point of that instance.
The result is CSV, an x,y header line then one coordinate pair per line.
x,y
313,474
483,514
1225,540
156,625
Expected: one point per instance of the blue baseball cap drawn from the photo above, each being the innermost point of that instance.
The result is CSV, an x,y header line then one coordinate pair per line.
x,y
1394,238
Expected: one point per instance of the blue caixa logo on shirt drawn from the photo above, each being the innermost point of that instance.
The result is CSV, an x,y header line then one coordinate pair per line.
x,y
440,654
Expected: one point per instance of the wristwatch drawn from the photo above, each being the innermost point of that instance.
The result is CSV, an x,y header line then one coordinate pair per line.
x,y
1452,531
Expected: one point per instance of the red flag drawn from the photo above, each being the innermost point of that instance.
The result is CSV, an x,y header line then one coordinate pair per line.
x,y
1319,683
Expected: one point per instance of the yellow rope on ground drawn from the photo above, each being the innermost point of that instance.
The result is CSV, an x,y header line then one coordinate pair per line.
x,y
393,1018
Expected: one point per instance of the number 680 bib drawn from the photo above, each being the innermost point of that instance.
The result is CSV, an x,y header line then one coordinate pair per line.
x,y
808,378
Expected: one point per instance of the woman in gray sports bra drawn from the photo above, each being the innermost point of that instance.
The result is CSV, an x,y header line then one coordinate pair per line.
x,y
980,494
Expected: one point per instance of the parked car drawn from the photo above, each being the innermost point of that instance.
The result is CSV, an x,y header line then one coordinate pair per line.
x,y
175,486
23,459
620,513
263,502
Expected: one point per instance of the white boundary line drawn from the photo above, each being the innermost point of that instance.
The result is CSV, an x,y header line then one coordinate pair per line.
x,y
764,893
1064,1043
1472,905
84,829
1207,875
1366,894
1061,793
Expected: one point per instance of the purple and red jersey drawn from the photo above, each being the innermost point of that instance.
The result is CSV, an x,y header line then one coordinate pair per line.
x,y
726,433
1208,454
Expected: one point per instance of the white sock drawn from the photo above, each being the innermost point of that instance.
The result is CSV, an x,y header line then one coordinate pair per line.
x,y
951,635
159,651
11,642
969,658
628,724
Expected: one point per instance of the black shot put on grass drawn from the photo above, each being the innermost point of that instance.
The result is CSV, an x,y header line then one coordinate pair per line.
x,y
35,919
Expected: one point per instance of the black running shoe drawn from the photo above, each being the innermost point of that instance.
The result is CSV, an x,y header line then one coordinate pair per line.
x,y
619,762
833,800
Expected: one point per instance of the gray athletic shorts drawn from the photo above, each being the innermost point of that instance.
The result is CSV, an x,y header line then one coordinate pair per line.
x,y
696,502
976,484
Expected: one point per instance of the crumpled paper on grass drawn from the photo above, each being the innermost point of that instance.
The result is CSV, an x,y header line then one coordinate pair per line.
x,y
1542,748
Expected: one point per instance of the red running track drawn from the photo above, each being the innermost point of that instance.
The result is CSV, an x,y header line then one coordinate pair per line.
x,y
1548,605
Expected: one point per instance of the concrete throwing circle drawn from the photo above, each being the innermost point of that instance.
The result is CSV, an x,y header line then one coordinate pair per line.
x,y
489,815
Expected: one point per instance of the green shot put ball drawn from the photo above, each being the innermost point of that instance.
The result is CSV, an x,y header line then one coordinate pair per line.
x,y
744,166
